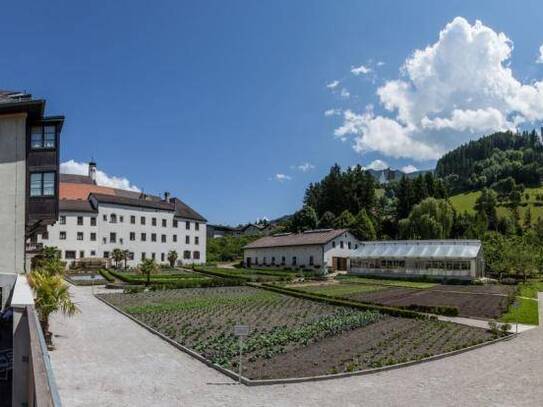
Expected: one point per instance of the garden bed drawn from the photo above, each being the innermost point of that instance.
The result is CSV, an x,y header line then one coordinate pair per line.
x,y
290,337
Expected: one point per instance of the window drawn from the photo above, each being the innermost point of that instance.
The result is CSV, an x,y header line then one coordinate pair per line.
x,y
93,253
42,137
93,237
186,254
130,256
256,261
153,221
175,223
283,260
143,237
164,223
196,255
264,260
196,240
356,246
113,218
80,220
293,260
174,237
62,220
42,184
341,244
121,219
104,218
45,236
133,220
79,235
196,226
187,239
153,256
142,220
162,256
132,236
142,255
153,237
69,254
81,254
104,240
187,225
311,262
273,261
349,245
163,238
106,255
334,244
62,235
113,237
93,221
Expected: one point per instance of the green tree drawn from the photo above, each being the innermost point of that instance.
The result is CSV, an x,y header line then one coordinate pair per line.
x,y
344,220
52,295
528,219
486,203
327,220
172,257
304,219
148,267
430,219
118,256
362,227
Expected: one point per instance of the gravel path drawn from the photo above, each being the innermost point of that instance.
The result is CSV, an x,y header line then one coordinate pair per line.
x,y
105,359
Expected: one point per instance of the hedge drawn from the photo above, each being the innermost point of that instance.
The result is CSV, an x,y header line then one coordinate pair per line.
x,y
106,274
176,283
395,312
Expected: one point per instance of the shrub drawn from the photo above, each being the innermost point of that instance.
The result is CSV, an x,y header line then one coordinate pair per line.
x,y
493,327
505,328
508,281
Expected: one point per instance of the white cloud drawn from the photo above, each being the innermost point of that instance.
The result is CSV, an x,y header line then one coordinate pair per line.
x,y
102,178
380,63
345,93
282,177
332,112
332,85
408,169
539,59
456,89
304,167
360,70
377,165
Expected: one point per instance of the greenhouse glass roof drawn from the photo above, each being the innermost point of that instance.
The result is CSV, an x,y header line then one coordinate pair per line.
x,y
432,249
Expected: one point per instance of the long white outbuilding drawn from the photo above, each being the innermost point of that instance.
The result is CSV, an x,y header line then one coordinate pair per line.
x,y
452,259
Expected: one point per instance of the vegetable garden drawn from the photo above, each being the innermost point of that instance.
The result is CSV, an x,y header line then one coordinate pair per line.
x,y
290,337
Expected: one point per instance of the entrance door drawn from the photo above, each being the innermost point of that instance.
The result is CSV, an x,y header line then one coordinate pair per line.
x,y
248,262
339,263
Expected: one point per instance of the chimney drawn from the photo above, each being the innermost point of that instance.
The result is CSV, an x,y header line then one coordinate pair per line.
x,y
92,171
167,196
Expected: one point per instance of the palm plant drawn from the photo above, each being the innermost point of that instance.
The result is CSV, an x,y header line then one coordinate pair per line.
x,y
118,256
172,257
148,267
52,295
126,254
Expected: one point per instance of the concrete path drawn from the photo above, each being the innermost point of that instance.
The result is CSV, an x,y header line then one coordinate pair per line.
x,y
105,359
480,323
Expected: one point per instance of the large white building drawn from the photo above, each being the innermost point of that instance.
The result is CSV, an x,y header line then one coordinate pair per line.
x,y
330,248
94,220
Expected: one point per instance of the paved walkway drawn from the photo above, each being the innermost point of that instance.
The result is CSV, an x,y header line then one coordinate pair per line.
x,y
105,359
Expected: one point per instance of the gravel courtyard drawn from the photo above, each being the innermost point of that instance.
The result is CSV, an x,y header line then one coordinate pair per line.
x,y
103,358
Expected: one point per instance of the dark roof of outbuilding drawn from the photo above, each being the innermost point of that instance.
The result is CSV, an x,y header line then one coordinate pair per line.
x,y
75,205
308,238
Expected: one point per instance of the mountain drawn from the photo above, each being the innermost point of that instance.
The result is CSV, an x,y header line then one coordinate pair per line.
x,y
390,174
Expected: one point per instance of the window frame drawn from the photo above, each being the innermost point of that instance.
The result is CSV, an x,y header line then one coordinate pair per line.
x,y
43,139
42,184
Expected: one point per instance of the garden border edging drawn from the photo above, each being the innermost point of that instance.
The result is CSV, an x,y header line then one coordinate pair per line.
x,y
250,382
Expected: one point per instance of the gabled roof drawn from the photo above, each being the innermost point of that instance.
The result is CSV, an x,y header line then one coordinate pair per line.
x,y
308,238
140,203
424,249
182,210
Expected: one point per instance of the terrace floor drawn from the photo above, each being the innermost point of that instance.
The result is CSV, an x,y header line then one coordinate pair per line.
x,y
103,358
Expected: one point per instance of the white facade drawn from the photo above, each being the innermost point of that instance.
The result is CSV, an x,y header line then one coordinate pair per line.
x,y
305,256
144,232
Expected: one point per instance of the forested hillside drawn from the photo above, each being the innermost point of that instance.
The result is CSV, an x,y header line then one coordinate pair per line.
x,y
484,162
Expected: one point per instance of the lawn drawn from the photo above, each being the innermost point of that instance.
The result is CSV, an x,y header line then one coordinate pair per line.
x,y
465,203
289,336
530,289
526,313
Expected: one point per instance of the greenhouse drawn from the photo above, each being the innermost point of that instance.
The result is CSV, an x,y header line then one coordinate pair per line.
x,y
453,259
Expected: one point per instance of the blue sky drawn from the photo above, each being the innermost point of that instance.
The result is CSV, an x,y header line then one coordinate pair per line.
x,y
211,100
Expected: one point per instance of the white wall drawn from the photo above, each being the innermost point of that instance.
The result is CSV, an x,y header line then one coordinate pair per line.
x,y
104,228
12,198
334,248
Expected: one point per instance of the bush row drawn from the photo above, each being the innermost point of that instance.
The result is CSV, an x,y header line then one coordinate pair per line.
x,y
395,312
106,274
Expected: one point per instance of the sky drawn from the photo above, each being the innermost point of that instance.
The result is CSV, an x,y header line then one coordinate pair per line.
x,y
235,107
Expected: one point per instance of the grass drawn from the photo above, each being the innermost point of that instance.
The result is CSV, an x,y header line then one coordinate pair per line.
x,y
465,203
526,313
386,282
530,289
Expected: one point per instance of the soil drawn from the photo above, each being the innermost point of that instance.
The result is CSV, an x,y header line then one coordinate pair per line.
x,y
385,342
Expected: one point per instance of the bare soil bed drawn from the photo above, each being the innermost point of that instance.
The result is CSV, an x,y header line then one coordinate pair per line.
x,y
469,303
290,337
